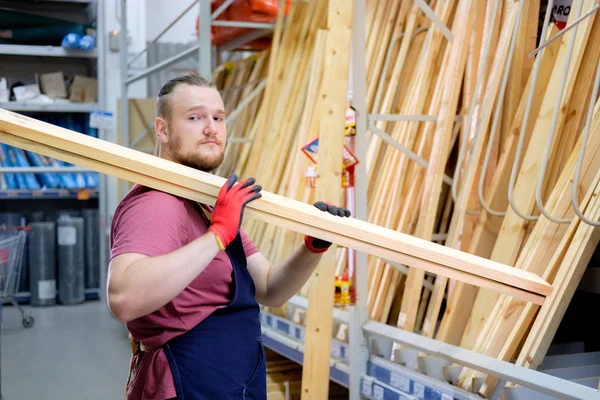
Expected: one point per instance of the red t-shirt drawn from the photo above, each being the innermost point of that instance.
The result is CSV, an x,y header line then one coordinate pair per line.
x,y
153,223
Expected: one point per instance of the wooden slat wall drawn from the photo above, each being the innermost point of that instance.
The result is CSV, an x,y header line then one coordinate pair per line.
x,y
409,71
412,68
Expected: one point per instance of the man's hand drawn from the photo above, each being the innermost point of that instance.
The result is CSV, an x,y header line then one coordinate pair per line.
x,y
318,246
229,208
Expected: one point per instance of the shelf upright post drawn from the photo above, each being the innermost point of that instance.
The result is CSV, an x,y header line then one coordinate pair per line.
x,y
124,135
359,353
102,181
204,38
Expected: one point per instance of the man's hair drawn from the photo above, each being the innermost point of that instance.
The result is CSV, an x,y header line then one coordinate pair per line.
x,y
163,104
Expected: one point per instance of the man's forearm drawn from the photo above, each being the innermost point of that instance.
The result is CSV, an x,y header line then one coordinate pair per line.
x,y
149,283
287,277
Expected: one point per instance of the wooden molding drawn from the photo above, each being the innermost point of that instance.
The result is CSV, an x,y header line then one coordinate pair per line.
x,y
112,159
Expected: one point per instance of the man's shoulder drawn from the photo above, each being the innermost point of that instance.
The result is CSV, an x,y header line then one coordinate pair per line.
x,y
145,197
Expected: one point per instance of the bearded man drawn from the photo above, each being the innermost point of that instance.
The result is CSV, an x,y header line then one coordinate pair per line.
x,y
185,278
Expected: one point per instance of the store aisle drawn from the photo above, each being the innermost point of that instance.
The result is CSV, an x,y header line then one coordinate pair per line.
x,y
72,352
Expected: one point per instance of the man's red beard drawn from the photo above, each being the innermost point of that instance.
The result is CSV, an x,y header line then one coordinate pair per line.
x,y
193,159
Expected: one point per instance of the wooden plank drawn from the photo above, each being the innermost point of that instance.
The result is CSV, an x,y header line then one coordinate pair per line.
x,y
515,317
513,229
46,138
435,172
488,226
319,321
467,181
577,256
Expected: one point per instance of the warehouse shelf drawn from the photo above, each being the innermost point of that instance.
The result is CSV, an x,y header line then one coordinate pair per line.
x,y
383,378
22,194
50,107
87,189
286,338
45,51
25,297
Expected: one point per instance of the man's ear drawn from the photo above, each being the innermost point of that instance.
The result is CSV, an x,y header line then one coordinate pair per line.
x,y
161,128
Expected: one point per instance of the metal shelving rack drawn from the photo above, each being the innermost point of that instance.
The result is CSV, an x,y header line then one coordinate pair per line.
x,y
93,9
424,368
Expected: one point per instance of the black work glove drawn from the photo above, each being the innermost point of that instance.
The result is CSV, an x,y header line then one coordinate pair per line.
x,y
319,246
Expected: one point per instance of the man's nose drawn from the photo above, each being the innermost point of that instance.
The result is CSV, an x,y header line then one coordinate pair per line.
x,y
210,126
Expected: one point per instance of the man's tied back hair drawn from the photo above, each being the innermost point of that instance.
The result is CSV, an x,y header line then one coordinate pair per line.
x,y
163,106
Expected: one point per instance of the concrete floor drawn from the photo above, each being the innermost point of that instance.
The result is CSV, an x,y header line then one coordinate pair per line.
x,y
72,352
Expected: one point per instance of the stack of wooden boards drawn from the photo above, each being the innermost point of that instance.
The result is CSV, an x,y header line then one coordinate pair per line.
x,y
494,115
284,380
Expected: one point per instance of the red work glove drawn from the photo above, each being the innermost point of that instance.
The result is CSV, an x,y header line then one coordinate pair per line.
x,y
229,208
319,246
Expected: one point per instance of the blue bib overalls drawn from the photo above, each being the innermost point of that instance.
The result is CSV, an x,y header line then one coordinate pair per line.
x,y
223,356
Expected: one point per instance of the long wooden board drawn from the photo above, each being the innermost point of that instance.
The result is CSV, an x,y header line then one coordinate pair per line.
x,y
319,324
109,158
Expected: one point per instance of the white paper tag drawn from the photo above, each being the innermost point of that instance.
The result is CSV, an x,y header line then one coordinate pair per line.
x,y
426,327
419,390
447,397
400,382
102,120
367,386
378,392
47,289
67,236
401,320
336,350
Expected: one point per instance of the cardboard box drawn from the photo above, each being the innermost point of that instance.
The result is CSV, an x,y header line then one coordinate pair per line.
x,y
53,85
84,89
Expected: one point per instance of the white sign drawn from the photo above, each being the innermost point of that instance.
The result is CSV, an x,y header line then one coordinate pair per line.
x,y
560,12
102,120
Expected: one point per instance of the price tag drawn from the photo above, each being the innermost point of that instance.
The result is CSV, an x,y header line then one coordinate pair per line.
x,y
400,382
336,350
378,392
102,120
419,390
367,386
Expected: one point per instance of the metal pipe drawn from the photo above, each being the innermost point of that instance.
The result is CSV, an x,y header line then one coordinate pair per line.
x,y
163,32
163,64
497,113
584,139
220,9
359,312
513,173
405,117
409,153
478,88
566,29
435,19
546,157
244,24
204,40
244,103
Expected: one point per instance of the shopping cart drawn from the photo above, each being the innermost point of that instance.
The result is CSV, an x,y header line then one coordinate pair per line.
x,y
12,247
